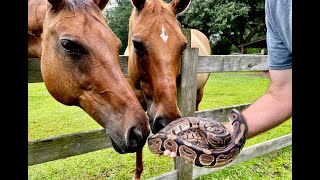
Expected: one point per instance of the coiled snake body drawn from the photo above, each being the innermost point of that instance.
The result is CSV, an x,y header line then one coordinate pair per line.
x,y
202,141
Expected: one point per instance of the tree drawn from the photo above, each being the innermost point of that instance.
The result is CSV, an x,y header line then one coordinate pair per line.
x,y
117,18
239,21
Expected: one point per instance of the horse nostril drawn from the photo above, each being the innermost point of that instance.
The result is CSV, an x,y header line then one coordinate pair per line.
x,y
135,137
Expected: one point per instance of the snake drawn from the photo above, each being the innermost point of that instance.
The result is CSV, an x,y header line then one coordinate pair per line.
x,y
202,141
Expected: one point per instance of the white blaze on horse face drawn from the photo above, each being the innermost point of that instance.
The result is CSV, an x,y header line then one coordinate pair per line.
x,y
163,35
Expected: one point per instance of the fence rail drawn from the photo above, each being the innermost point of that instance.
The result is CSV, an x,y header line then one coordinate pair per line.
x,y
53,148
213,63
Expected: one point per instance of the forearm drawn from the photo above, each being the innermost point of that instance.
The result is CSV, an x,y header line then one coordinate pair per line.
x,y
266,113
271,109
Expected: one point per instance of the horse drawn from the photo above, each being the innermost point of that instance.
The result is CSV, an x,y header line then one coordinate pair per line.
x,y
79,60
155,47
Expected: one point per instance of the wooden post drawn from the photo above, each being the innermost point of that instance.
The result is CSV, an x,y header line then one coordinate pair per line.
x,y
187,89
187,32
34,71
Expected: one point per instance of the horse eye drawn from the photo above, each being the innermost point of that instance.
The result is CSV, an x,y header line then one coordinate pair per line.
x,y
71,47
138,46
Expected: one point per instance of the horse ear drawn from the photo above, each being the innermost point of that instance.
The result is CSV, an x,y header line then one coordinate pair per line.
x,y
179,6
101,3
139,4
55,4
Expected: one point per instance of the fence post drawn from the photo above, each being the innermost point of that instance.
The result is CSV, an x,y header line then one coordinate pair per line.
x,y
34,71
187,88
187,33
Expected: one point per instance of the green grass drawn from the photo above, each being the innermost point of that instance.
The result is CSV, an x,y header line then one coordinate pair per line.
x,y
47,118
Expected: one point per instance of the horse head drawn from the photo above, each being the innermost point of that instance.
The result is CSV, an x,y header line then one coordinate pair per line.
x,y
80,66
155,46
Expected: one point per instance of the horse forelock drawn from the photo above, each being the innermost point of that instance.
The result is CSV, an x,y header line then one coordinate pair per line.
x,y
157,7
72,5
84,7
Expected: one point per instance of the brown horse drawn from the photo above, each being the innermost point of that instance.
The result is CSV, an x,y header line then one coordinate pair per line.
x,y
155,47
79,56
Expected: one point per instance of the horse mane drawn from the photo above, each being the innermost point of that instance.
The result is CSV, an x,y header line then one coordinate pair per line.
x,y
72,5
155,6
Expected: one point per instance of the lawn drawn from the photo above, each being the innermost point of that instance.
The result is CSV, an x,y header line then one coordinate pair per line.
x,y
47,118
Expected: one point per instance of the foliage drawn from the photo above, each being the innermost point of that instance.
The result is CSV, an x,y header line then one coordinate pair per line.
x,y
238,21
118,20
253,50
221,47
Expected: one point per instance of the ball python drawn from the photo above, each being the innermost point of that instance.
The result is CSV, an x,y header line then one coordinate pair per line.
x,y
202,141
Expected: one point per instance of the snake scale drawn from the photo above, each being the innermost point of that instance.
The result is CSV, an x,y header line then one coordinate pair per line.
x,y
202,141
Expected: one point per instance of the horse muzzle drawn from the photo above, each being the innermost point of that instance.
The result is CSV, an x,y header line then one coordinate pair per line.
x,y
134,140
162,120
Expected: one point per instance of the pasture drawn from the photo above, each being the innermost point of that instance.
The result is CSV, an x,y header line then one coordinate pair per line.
x,y
48,118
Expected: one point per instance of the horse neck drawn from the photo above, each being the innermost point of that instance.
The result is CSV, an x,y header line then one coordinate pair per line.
x,y
131,22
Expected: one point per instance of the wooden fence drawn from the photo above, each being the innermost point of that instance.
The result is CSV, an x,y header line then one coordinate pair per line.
x,y
58,147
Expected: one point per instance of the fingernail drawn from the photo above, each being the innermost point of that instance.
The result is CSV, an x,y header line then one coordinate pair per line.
x,y
173,154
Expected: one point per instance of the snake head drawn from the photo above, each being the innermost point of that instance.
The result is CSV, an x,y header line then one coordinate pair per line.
x,y
239,126
233,115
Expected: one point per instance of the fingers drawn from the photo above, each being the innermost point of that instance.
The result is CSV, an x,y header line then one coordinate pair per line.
x,y
168,153
173,154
